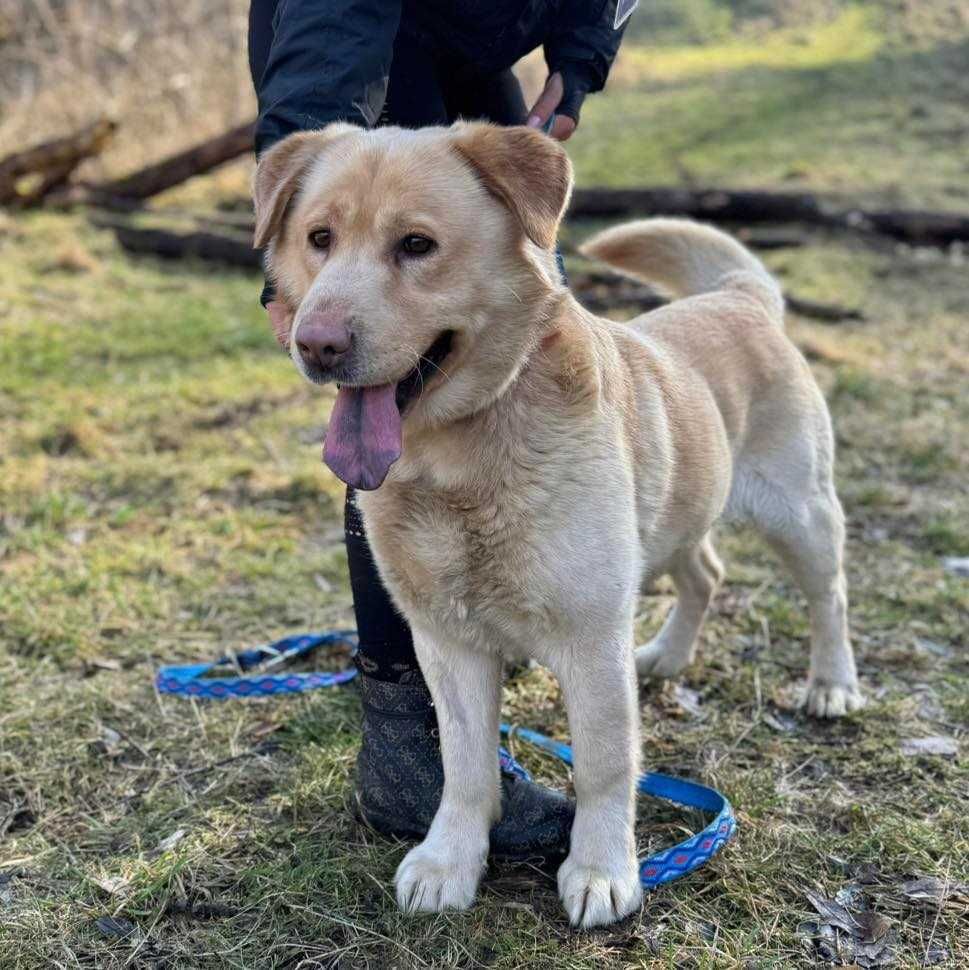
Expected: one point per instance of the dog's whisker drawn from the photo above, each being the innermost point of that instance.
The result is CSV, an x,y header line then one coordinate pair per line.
x,y
436,367
417,368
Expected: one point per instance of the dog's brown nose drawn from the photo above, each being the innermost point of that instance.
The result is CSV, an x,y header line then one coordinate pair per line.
x,y
323,337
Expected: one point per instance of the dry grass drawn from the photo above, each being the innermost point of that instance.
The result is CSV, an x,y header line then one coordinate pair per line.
x,y
171,72
162,499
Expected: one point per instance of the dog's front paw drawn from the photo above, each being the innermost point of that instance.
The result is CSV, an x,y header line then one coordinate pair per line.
x,y
660,661
827,700
599,895
429,880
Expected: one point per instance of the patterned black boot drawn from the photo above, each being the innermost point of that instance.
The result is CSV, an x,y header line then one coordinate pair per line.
x,y
400,779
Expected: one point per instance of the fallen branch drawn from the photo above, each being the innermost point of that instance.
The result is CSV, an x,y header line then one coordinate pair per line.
x,y
919,227
827,312
914,225
213,247
178,168
712,204
27,177
767,241
601,292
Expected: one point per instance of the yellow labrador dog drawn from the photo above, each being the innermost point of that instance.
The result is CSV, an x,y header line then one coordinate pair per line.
x,y
524,466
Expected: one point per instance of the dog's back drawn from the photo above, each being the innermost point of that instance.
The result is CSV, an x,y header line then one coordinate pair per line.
x,y
724,331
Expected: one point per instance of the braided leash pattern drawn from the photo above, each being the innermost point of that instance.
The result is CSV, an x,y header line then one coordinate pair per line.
x,y
192,680
670,864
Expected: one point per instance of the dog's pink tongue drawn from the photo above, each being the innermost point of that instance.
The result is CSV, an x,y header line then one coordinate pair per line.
x,y
363,437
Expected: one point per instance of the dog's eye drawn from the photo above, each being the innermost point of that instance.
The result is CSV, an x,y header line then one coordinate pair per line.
x,y
320,238
416,245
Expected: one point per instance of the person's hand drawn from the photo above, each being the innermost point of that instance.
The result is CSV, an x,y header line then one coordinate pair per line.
x,y
548,101
281,320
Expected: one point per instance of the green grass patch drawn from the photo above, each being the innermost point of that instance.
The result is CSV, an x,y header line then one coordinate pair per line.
x,y
162,499
946,537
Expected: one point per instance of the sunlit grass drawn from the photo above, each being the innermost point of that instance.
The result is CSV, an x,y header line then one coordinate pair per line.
x,y
851,37
162,499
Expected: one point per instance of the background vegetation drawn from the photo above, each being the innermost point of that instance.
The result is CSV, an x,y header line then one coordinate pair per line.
x,y
162,499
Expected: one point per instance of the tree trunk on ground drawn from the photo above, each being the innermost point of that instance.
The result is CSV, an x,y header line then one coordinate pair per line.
x,y
749,207
918,227
27,177
602,291
208,246
178,168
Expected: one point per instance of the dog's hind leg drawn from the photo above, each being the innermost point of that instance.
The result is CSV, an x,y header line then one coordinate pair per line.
x,y
465,684
809,538
696,573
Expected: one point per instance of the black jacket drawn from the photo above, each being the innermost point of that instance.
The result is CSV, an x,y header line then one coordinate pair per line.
x,y
330,59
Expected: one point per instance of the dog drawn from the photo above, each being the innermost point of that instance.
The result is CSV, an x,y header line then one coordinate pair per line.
x,y
524,466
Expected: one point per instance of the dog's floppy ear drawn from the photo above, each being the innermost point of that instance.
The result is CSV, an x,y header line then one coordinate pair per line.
x,y
527,170
279,171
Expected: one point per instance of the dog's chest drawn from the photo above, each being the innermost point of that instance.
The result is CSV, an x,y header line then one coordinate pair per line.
x,y
478,564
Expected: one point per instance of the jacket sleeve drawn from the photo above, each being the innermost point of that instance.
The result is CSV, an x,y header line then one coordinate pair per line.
x,y
329,61
582,47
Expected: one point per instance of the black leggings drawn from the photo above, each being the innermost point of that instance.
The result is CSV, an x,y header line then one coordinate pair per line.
x,y
426,87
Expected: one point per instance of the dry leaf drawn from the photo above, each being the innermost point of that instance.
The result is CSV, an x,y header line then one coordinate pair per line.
x,y
116,926
935,955
873,926
930,890
109,743
832,912
957,565
112,884
689,700
937,744
779,722
847,932
171,841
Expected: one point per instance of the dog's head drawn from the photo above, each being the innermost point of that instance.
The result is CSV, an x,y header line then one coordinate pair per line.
x,y
417,266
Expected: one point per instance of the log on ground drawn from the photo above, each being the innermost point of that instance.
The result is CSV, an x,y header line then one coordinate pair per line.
x,y
26,177
714,204
602,291
212,247
178,168
914,226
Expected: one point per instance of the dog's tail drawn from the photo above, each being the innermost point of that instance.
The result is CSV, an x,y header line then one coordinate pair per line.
x,y
686,258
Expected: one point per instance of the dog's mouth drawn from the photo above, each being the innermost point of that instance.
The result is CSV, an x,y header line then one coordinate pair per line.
x,y
429,364
363,438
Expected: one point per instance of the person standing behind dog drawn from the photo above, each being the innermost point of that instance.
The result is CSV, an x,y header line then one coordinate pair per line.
x,y
416,63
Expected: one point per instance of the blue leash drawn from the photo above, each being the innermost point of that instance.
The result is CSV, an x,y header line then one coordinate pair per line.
x,y
191,680
684,857
662,867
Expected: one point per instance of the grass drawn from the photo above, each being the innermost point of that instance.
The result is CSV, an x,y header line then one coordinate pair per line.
x,y
845,106
162,499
